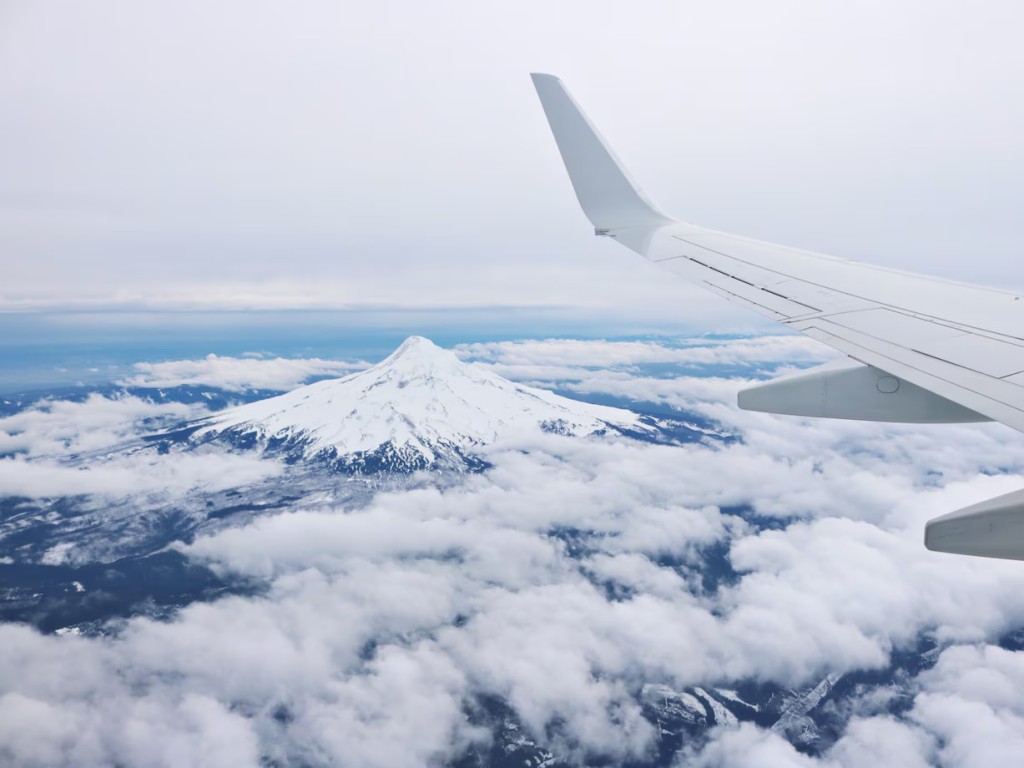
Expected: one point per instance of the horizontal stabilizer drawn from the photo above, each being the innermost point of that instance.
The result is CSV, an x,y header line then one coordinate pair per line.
x,y
847,389
608,196
993,528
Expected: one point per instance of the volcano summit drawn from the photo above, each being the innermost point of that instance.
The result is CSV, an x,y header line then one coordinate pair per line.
x,y
420,408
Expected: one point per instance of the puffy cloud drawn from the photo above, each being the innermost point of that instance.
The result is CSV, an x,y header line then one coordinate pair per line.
x,y
970,704
137,473
64,426
396,577
570,361
827,593
865,744
868,743
196,730
91,450
53,719
748,747
561,580
967,713
980,673
601,353
841,594
237,374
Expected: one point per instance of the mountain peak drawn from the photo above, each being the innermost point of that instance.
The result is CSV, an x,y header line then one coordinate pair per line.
x,y
416,342
418,349
420,407
417,361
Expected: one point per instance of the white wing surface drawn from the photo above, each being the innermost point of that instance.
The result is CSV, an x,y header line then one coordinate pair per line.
x,y
921,349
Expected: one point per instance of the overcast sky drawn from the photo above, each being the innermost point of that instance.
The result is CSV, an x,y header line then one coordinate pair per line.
x,y
323,154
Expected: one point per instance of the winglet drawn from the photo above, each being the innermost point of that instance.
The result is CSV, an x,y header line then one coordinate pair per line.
x,y
608,196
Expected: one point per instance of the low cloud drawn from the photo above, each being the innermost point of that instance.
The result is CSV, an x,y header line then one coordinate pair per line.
x,y
237,374
464,591
603,354
561,580
966,712
61,427
134,474
573,360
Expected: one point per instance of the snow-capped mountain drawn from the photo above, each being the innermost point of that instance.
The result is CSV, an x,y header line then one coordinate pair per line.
x,y
419,408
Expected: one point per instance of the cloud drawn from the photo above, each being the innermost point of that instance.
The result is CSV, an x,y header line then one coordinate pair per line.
x,y
63,427
134,474
611,366
64,448
840,594
164,729
876,741
748,747
79,478
969,704
237,374
865,744
824,594
561,580
396,576
592,353
966,713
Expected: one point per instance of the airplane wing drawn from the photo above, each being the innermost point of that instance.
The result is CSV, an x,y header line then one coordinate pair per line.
x,y
920,349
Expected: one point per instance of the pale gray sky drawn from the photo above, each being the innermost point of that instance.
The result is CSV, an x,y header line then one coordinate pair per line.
x,y
270,154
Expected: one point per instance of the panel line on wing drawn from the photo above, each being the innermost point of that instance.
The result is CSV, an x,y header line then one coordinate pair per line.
x,y
786,275
726,293
997,335
981,354
810,310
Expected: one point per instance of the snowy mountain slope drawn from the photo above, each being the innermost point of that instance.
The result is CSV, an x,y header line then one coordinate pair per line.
x,y
419,408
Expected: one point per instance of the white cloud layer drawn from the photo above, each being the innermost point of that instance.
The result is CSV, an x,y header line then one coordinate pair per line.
x,y
237,374
135,474
66,427
967,712
610,367
562,580
598,353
